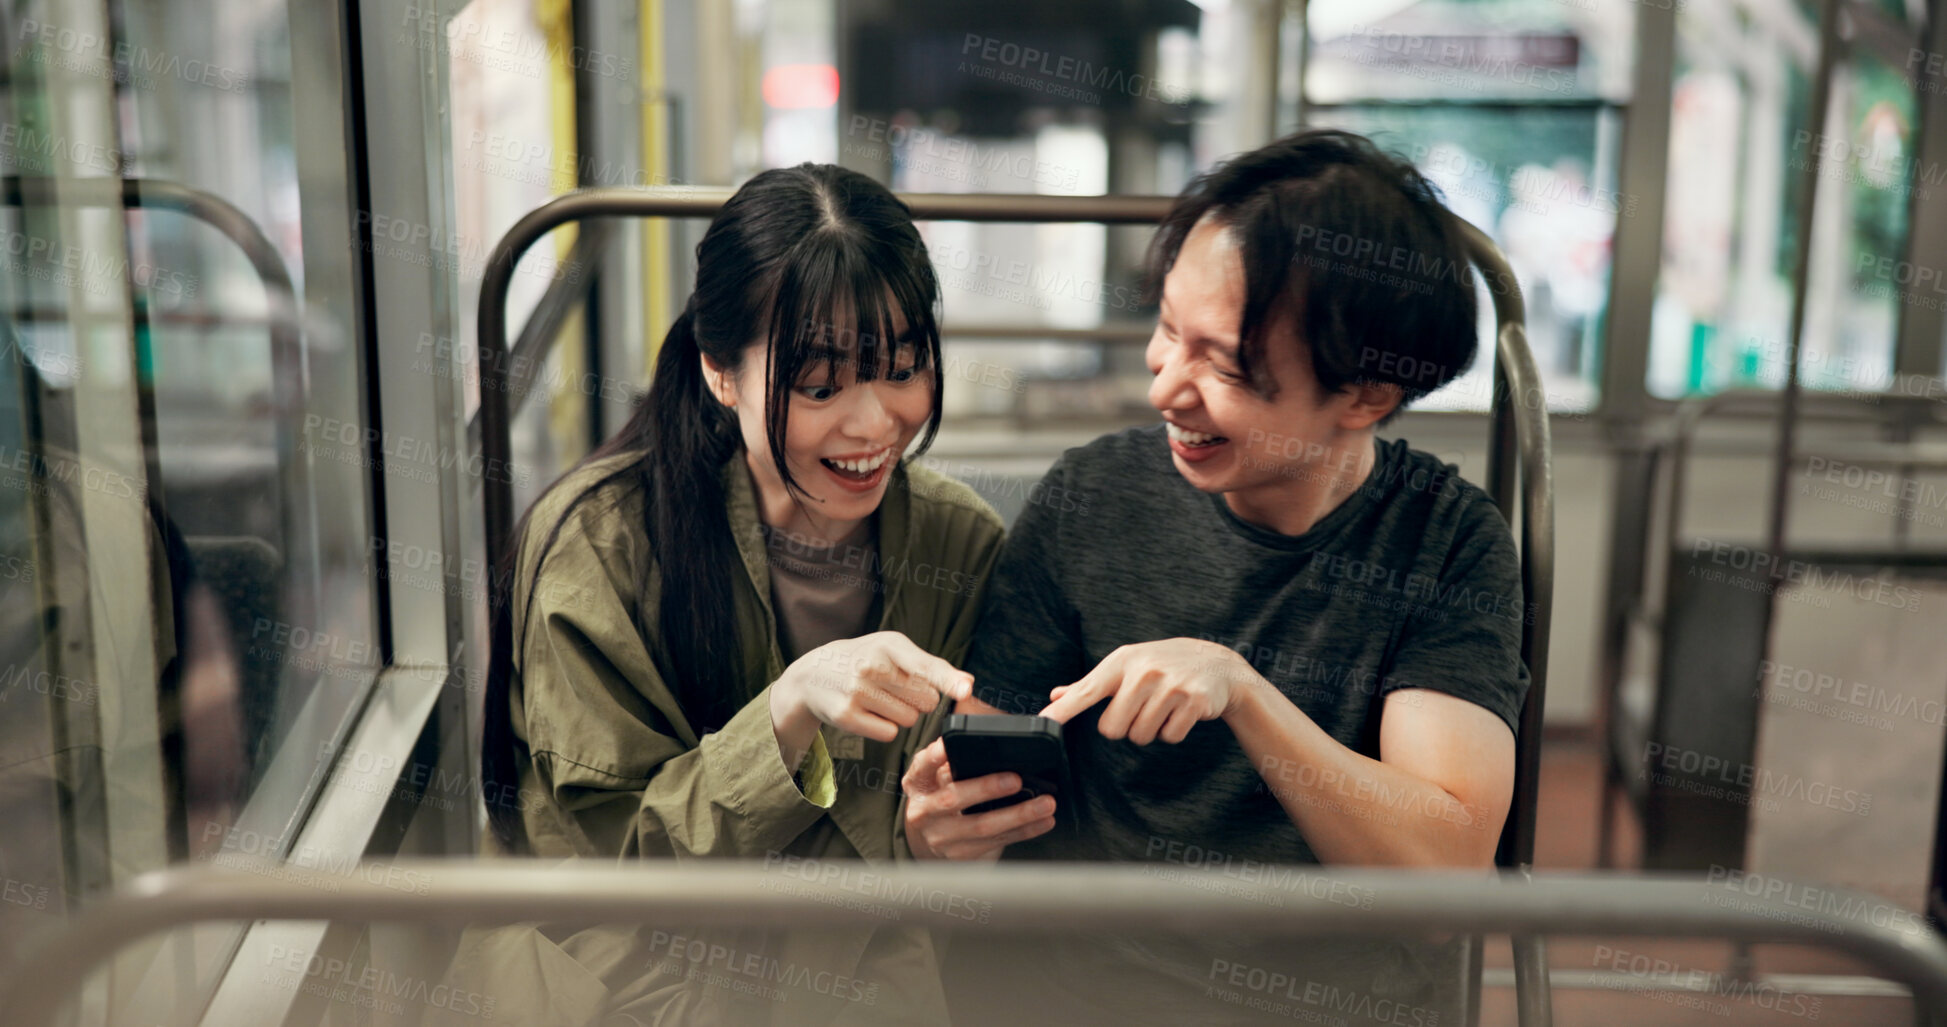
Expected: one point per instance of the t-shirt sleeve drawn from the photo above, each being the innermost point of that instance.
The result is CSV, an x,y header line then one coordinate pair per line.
x,y
1028,640
1463,630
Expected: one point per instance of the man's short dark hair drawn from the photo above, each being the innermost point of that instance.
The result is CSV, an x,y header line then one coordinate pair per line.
x,y
1356,241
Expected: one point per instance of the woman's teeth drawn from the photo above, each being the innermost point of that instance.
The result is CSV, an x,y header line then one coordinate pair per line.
x,y
865,466
1191,438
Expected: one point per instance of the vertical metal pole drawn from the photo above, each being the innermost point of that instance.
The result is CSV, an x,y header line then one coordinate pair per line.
x,y
1269,15
1300,60
1642,175
1809,170
1829,44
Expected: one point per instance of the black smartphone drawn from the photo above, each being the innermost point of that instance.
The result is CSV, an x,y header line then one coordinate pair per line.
x,y
978,744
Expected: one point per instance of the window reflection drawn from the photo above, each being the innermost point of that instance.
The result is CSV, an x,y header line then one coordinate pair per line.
x,y
146,352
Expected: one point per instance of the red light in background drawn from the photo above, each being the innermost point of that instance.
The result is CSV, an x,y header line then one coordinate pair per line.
x,y
799,86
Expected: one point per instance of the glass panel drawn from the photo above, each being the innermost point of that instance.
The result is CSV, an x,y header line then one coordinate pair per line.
x,y
1872,190
1737,156
923,99
40,692
1509,107
1541,182
260,446
1900,10
186,458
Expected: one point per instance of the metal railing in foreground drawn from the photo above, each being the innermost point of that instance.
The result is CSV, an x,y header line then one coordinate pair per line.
x,y
1040,899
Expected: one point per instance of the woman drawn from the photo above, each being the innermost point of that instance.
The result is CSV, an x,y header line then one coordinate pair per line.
x,y
734,622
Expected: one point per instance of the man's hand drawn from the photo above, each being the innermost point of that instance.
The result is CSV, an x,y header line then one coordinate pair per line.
x,y
937,829
1158,689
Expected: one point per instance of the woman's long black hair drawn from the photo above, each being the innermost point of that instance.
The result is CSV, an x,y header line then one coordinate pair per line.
x,y
816,259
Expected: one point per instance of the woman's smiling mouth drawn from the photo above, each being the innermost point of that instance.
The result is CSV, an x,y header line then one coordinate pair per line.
x,y
860,473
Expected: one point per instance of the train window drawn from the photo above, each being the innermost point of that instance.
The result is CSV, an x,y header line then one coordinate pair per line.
x,y
1872,196
1512,109
186,455
513,146
1738,151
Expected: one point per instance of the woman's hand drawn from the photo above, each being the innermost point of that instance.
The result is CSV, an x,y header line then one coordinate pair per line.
x,y
873,686
937,829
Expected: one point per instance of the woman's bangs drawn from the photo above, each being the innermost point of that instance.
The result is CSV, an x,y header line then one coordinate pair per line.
x,y
844,310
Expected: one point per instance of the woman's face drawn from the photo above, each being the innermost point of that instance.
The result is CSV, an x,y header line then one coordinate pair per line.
x,y
841,440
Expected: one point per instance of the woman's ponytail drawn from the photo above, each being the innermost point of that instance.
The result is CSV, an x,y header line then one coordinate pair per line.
x,y
691,436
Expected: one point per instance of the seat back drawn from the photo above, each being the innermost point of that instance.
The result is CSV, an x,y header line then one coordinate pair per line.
x,y
1520,479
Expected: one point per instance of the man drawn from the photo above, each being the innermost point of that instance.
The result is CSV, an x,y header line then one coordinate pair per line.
x,y
1272,638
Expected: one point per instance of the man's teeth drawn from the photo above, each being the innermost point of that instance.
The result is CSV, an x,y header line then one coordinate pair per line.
x,y
1190,438
865,466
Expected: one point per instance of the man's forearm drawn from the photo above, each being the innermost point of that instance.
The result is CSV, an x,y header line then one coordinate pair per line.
x,y
1353,809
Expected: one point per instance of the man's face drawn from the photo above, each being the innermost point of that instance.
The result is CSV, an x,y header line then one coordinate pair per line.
x,y
1224,436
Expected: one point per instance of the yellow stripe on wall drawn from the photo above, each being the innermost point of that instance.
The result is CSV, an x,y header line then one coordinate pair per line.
x,y
657,306
567,406
557,23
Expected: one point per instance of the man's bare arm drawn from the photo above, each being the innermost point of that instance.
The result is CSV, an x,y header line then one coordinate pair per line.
x,y
1437,796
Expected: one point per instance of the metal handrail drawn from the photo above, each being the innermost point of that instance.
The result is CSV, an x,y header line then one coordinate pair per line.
x,y
1121,334
1039,899
1519,425
1693,411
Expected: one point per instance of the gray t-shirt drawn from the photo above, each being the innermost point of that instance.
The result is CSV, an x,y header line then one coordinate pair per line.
x,y
1412,581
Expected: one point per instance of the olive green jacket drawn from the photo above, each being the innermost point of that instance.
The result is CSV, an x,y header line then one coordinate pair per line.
x,y
617,770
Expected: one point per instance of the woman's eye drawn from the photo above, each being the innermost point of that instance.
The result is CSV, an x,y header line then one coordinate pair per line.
x,y
818,393
903,375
